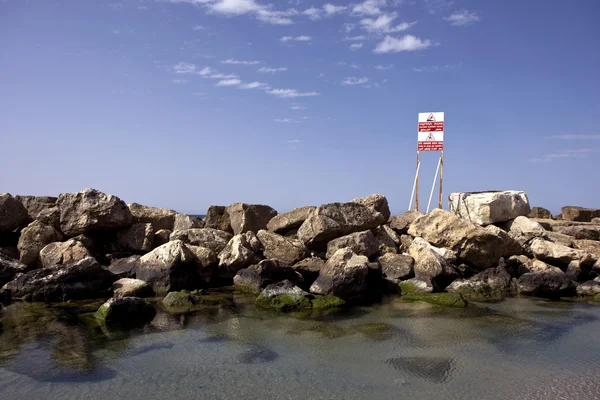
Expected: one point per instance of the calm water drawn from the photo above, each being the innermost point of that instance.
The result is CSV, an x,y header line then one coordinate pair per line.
x,y
519,349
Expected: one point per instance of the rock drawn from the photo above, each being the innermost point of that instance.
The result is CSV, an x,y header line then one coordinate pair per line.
x,y
573,213
579,232
255,245
63,252
415,285
516,265
344,275
161,237
397,267
477,246
125,311
185,301
309,268
415,290
217,217
401,223
284,296
77,280
91,210
257,277
12,213
558,254
539,212
50,216
596,221
159,218
405,242
577,272
523,230
125,267
138,237
331,221
286,222
588,246
210,238
362,243
543,281
492,284
560,238
429,264
206,261
486,208
184,221
235,256
9,268
550,224
126,287
280,248
589,288
167,268
376,202
249,217
387,240
33,239
36,204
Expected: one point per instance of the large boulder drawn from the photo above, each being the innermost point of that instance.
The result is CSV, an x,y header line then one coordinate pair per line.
x,y
397,267
387,239
127,287
50,216
590,289
236,255
63,252
91,210
285,296
581,214
376,202
259,276
36,204
560,238
344,275
82,279
124,267
581,232
401,223
430,265
589,246
475,245
486,208
362,243
286,222
543,281
331,221
138,237
9,268
184,221
33,239
213,239
170,267
217,217
540,212
249,217
206,262
558,254
281,248
159,218
523,230
12,213
161,237
309,268
492,284
125,311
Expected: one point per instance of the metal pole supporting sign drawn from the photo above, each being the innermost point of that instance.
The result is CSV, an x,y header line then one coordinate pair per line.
x,y
430,138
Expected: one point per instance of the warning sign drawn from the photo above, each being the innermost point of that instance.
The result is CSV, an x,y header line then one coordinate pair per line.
x,y
431,131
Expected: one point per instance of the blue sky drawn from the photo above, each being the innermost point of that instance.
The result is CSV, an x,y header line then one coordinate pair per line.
x,y
187,103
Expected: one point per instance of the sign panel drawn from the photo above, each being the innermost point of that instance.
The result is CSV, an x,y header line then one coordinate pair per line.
x,y
431,131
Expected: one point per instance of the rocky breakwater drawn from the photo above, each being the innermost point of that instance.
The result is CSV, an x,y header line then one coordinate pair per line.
x,y
489,246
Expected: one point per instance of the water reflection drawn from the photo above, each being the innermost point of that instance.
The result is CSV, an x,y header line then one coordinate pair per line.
x,y
433,369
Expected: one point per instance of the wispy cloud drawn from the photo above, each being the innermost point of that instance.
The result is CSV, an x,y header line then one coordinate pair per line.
x,y
297,107
184,68
565,154
264,13
296,141
369,7
356,46
254,85
383,24
302,38
239,62
179,81
575,137
284,120
384,67
357,38
222,76
266,70
290,93
229,82
354,66
352,80
198,28
406,43
326,11
348,27
436,68
462,18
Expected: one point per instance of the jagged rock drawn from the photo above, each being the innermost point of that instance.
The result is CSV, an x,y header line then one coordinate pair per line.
x,y
589,288
344,275
558,254
63,252
170,267
550,224
281,248
125,267
235,256
540,212
511,245
138,237
560,238
430,265
126,287
91,210
415,285
331,221
259,276
523,230
492,284
477,246
376,202
397,267
33,239
255,245
516,265
50,216
36,204
249,217
159,218
184,221
206,261
581,214
543,281
78,280
309,268
9,268
405,242
161,237
210,238
578,272
401,223
387,240
486,208
12,213
125,311
217,217
284,296
590,232
283,223
588,246
362,243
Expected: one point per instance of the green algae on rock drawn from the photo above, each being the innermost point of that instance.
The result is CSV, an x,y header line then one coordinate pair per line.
x,y
410,293
285,296
125,311
185,300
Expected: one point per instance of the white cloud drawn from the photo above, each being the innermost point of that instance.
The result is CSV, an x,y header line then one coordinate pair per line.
x,y
327,10
355,38
229,82
331,9
237,62
383,24
406,43
262,12
351,80
462,18
312,12
254,85
223,76
266,70
355,66
369,7
575,137
198,28
206,71
179,81
184,68
384,67
356,46
348,27
290,93
565,154
285,120
302,38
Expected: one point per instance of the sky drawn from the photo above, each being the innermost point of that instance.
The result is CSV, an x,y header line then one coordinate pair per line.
x,y
187,103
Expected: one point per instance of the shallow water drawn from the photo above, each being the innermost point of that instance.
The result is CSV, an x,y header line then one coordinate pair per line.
x,y
518,349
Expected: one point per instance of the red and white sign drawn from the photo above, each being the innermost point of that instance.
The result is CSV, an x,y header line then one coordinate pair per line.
x,y
431,131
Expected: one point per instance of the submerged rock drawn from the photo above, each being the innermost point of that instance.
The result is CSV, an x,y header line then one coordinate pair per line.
x,y
412,292
184,301
126,287
493,284
125,311
486,208
285,296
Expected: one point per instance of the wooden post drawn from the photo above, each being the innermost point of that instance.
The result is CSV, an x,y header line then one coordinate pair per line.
x,y
441,179
417,184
